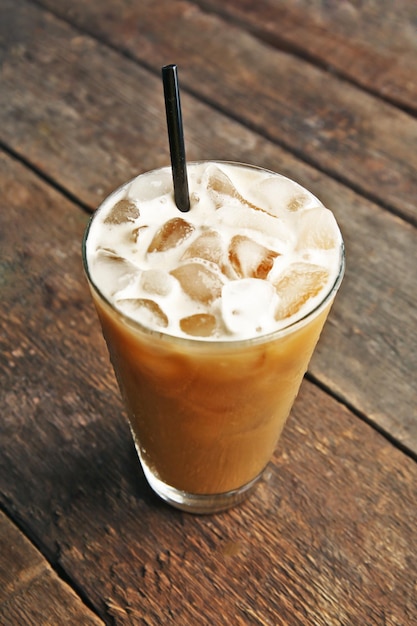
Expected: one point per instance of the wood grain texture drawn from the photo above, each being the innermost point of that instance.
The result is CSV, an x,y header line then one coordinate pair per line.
x,y
30,591
353,136
372,44
328,537
91,138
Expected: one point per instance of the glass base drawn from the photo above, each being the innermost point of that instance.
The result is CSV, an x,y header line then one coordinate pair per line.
x,y
199,503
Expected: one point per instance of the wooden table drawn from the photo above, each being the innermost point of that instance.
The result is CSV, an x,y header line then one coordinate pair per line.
x,y
327,96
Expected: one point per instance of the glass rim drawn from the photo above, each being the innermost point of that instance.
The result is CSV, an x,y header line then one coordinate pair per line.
x,y
203,342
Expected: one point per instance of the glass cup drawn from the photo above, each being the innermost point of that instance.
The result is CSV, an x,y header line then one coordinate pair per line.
x,y
206,415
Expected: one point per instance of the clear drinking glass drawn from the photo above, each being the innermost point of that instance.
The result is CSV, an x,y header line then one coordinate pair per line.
x,y
206,415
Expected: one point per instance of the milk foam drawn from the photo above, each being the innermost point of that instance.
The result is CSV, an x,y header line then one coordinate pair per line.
x,y
255,253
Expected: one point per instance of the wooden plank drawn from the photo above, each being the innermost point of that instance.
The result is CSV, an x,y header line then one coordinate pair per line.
x,y
327,538
92,139
373,44
30,591
351,135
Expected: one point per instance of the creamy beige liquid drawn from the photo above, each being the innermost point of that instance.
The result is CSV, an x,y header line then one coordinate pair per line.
x,y
211,316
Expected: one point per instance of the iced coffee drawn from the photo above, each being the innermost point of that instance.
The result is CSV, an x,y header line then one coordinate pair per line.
x,y
210,318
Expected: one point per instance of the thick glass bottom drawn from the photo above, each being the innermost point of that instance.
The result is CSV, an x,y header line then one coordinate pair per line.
x,y
199,503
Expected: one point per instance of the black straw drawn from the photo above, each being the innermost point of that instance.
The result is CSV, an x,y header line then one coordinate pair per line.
x,y
176,136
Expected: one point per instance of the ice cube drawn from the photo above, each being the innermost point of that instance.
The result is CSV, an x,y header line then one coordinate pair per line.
x,y
207,246
317,229
297,284
145,311
156,282
278,230
151,186
220,183
200,281
108,255
123,211
136,233
250,259
199,325
247,305
114,269
222,188
170,235
277,194
297,202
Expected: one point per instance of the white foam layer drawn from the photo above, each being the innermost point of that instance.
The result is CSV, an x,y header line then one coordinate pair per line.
x,y
255,253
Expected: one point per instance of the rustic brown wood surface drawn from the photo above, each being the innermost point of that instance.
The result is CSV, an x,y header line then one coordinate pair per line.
x,y
372,44
337,127
30,591
329,536
64,132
